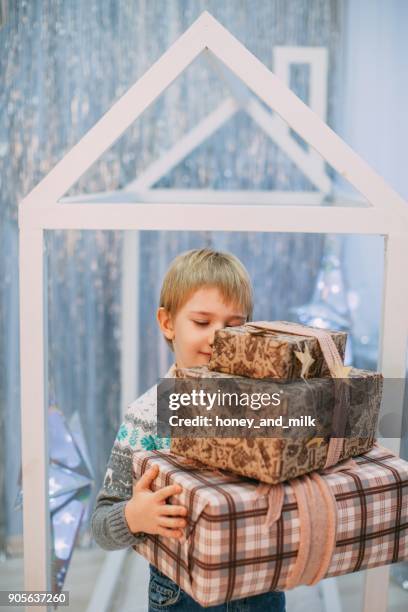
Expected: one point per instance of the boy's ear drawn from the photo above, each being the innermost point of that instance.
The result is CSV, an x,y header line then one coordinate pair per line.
x,y
165,322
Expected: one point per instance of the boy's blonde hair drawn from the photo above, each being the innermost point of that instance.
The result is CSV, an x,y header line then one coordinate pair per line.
x,y
198,268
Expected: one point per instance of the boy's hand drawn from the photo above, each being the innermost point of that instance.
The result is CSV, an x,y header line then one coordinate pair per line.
x,y
147,511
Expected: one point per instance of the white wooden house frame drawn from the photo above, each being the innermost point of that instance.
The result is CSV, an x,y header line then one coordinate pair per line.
x,y
139,208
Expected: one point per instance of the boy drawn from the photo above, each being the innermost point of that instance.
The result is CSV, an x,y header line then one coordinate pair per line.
x,y
202,291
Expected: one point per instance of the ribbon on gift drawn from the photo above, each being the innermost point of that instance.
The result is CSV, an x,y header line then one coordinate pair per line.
x,y
337,371
317,512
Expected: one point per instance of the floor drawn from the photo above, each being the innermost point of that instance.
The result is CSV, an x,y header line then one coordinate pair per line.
x,y
131,591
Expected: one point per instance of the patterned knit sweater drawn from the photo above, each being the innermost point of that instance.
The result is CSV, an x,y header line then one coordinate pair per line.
x,y
137,432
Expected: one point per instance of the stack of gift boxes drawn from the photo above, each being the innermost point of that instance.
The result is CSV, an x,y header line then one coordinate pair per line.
x,y
271,513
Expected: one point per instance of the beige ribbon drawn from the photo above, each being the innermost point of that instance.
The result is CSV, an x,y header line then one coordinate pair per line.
x,y
336,368
317,512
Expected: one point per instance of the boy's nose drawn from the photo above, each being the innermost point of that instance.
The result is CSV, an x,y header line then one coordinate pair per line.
x,y
212,334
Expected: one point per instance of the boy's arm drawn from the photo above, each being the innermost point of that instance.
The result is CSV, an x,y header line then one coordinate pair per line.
x,y
137,432
108,523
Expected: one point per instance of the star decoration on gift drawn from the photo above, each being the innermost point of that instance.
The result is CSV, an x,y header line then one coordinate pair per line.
x,y
341,371
305,359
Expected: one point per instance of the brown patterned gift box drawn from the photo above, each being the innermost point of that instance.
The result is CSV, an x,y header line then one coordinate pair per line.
x,y
255,351
273,459
244,538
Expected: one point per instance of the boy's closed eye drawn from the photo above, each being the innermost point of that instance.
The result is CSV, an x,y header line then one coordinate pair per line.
x,y
206,323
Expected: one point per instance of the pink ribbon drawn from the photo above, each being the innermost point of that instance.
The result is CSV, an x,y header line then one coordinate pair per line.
x,y
317,512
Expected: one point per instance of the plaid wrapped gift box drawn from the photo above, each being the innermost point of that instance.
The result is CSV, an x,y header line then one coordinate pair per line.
x,y
229,552
256,351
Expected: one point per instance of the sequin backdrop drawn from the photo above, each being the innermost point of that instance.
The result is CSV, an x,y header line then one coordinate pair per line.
x,y
62,65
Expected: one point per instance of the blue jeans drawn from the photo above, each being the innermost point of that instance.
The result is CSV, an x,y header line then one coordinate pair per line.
x,y
164,594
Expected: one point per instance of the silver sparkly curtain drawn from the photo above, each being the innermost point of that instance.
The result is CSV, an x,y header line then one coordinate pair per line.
x,y
62,65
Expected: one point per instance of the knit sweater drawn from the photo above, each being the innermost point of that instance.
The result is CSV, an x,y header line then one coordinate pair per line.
x,y
137,432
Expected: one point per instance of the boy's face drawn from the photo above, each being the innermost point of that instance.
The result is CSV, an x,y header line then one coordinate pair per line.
x,y
192,331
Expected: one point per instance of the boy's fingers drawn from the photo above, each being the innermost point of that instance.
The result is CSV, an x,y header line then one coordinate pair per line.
x,y
167,491
145,481
170,510
174,523
170,533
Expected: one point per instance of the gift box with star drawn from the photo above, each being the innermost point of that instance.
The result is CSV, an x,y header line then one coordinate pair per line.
x,y
269,349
